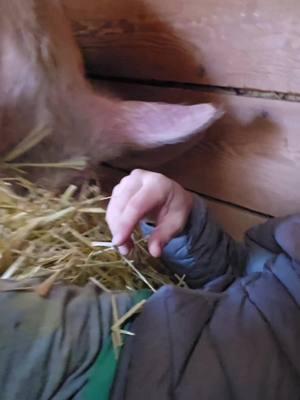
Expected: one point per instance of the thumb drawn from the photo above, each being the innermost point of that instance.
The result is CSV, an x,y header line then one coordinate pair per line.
x,y
168,228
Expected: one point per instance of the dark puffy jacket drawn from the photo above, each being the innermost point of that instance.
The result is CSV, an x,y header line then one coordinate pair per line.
x,y
236,335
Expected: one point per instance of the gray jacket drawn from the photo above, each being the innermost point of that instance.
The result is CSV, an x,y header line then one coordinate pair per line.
x,y
236,335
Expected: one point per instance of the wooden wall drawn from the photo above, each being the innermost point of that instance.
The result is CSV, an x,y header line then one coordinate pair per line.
x,y
243,54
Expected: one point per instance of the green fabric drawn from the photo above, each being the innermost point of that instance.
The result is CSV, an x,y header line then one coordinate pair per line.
x,y
103,372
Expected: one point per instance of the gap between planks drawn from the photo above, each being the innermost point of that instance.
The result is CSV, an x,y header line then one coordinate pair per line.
x,y
234,43
250,158
234,219
235,91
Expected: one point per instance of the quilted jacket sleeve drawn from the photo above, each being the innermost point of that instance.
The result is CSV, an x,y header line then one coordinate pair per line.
x,y
203,251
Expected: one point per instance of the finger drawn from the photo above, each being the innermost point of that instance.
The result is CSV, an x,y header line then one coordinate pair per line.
x,y
126,248
120,197
167,229
138,206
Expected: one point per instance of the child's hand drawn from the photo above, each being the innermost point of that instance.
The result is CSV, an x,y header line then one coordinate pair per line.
x,y
145,194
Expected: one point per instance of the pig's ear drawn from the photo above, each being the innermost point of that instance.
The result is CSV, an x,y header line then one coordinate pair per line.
x,y
149,125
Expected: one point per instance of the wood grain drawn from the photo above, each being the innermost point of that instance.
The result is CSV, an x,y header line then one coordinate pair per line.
x,y
250,158
245,44
235,221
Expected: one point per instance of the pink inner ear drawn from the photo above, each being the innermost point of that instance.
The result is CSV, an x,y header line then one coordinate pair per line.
x,y
154,124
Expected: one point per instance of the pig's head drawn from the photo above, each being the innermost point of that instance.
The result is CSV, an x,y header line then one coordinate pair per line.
x,y
42,83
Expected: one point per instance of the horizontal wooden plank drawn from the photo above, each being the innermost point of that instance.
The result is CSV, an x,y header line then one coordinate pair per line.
x,y
235,221
253,43
250,158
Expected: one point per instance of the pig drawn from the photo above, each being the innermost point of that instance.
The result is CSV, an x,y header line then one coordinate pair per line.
x,y
43,86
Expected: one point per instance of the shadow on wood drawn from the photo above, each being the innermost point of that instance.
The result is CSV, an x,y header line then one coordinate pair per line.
x,y
125,39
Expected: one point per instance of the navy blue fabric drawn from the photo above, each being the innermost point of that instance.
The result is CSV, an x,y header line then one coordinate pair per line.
x,y
203,251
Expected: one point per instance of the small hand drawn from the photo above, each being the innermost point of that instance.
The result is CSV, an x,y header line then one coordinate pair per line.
x,y
145,194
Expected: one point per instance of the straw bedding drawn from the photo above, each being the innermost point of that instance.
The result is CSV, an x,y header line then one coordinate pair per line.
x,y
64,237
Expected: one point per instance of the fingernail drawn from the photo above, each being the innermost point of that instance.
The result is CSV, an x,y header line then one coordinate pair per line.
x,y
123,250
155,250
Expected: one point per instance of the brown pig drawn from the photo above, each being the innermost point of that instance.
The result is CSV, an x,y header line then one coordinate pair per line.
x,y
42,84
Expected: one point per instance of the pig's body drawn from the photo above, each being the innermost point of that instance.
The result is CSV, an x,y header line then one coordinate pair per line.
x,y
42,84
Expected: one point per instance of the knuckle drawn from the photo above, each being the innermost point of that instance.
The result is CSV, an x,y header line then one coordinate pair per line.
x,y
124,181
160,182
137,172
163,180
156,178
